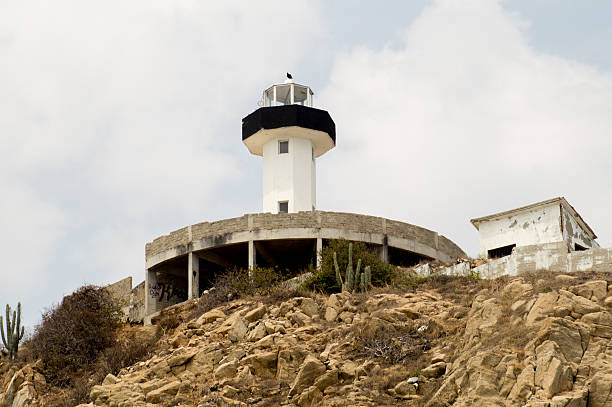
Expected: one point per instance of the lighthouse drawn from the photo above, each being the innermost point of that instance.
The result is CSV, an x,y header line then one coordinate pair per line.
x,y
290,134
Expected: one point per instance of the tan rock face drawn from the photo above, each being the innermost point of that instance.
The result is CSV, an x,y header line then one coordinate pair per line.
x,y
262,364
310,370
471,344
600,392
164,393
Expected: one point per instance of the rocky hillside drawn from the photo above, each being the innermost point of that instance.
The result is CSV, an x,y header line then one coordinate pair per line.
x,y
539,340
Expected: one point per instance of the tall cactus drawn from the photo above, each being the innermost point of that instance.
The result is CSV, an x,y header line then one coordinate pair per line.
x,y
352,281
13,336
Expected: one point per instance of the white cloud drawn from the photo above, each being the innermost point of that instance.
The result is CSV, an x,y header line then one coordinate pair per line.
x,y
464,119
120,121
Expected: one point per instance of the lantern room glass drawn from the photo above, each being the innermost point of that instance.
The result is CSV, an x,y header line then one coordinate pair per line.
x,y
288,94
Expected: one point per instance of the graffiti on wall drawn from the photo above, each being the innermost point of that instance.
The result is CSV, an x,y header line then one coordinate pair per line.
x,y
167,292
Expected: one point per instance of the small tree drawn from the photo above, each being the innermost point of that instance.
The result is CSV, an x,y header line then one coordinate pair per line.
x,y
73,333
13,335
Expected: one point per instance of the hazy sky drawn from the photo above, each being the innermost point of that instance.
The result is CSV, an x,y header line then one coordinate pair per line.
x,y
121,121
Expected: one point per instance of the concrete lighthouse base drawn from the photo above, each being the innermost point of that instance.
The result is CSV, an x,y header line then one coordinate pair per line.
x,y
182,264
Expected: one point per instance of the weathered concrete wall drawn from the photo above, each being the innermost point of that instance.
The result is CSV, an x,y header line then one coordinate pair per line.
x,y
539,225
121,290
573,233
130,299
553,257
310,224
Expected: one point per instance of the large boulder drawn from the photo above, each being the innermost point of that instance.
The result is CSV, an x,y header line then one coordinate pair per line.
x,y
310,370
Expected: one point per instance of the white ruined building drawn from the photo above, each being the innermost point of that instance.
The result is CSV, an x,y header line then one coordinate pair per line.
x,y
550,221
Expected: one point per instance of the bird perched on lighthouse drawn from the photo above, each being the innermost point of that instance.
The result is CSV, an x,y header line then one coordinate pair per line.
x,y
289,76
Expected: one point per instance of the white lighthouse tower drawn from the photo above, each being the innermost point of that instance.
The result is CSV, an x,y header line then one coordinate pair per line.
x,y
290,134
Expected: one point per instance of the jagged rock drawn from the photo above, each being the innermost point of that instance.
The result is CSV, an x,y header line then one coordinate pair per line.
x,y
405,388
600,324
109,379
525,383
262,364
348,370
180,357
257,333
600,392
237,330
542,308
334,301
309,371
25,396
309,307
211,316
576,304
330,314
434,370
592,290
608,302
299,318
310,397
330,378
517,288
552,373
164,393
227,369
17,380
574,399
568,335
346,317
325,354
289,362
256,314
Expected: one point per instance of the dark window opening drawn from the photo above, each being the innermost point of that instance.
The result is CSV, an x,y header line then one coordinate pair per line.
x,y
283,147
283,207
579,248
501,251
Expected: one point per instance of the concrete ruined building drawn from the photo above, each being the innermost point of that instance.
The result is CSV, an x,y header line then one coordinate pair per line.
x,y
548,235
290,134
551,221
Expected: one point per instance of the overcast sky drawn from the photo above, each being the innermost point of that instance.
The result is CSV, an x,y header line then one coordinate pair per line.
x,y
121,121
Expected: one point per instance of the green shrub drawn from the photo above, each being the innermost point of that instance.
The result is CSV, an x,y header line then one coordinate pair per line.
x,y
73,333
325,280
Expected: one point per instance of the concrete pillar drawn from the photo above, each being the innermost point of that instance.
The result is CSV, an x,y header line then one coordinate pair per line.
x,y
383,251
193,276
252,255
150,290
319,248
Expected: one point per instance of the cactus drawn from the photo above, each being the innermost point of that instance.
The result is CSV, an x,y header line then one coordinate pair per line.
x,y
368,278
349,278
338,275
352,281
356,278
13,336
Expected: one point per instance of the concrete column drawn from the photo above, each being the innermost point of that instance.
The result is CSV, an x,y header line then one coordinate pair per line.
x,y
193,276
150,289
319,248
252,255
383,251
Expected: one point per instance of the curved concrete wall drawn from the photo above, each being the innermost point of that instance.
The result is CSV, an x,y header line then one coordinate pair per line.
x,y
308,225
